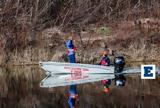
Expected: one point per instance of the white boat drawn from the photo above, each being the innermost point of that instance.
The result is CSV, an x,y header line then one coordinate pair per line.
x,y
68,79
53,68
63,74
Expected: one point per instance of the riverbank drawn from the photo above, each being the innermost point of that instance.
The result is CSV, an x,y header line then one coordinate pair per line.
x,y
27,36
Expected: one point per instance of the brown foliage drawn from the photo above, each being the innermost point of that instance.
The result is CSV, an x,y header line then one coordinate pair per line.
x,y
22,20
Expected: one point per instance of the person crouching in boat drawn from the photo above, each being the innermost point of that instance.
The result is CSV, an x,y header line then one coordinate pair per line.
x,y
105,61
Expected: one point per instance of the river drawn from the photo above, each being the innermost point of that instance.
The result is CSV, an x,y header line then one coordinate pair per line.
x,y
19,88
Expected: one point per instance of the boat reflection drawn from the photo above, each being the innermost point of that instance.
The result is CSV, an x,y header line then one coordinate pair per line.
x,y
19,88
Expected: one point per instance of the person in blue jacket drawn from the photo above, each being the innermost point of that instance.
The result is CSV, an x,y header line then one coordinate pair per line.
x,y
73,95
71,51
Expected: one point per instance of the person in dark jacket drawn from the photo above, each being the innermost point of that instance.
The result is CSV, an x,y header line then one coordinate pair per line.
x,y
105,61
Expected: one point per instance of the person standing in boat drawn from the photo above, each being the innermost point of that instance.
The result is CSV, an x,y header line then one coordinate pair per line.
x,y
71,51
73,95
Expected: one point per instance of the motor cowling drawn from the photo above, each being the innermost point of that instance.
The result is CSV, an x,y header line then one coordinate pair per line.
x,y
120,80
119,64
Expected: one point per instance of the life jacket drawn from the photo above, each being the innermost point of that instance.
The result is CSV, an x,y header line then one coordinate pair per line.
x,y
104,81
105,61
71,51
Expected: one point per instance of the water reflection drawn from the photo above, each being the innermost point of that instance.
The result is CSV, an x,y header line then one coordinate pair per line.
x,y
19,88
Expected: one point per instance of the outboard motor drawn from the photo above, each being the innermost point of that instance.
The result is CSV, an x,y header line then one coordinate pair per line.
x,y
119,64
120,80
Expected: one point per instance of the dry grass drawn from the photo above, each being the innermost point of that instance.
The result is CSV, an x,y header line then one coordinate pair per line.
x,y
141,51
32,30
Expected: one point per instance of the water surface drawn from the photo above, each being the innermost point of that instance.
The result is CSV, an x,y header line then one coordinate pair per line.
x,y
19,88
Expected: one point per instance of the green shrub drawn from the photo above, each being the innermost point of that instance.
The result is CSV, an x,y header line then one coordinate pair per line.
x,y
104,30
